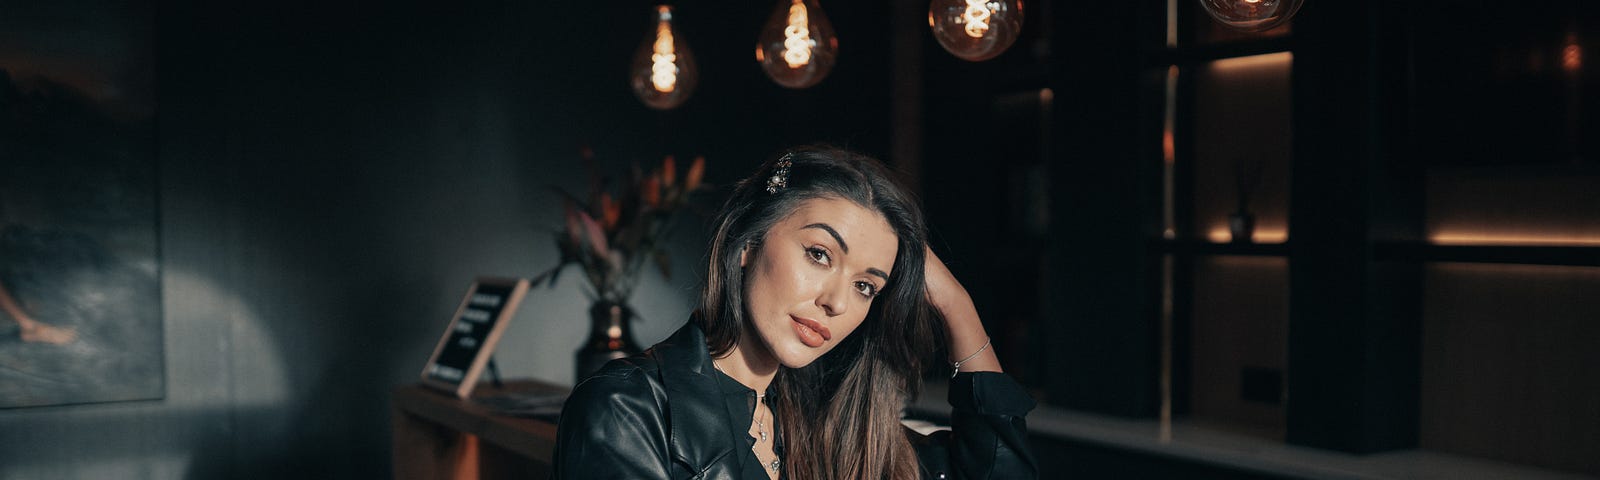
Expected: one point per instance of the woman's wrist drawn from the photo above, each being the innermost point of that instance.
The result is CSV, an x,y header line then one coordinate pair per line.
x,y
964,332
969,344
979,359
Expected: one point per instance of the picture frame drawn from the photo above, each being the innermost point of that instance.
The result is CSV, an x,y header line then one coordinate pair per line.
x,y
469,340
81,265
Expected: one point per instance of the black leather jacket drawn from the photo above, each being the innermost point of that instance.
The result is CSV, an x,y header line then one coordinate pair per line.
x,y
666,414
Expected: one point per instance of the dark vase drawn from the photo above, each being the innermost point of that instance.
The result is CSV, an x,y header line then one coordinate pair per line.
x,y
610,338
1241,225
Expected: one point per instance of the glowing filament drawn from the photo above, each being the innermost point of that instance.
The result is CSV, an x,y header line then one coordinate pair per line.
x,y
797,37
663,71
977,18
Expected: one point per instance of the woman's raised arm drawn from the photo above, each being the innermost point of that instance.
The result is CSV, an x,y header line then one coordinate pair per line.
x,y
969,343
989,432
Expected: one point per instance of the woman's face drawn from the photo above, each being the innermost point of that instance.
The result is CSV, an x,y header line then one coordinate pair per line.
x,y
810,282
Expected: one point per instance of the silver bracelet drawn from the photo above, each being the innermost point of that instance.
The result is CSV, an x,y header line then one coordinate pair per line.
x,y
957,364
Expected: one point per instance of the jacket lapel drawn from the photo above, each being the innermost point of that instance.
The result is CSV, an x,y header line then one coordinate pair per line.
x,y
699,416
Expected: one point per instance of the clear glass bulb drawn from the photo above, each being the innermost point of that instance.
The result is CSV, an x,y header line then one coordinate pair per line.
x,y
797,46
1251,15
975,30
663,73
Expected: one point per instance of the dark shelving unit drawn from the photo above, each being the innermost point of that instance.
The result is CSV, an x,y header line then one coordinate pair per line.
x,y
1371,297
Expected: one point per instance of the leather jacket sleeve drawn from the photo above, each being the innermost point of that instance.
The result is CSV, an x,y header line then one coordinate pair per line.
x,y
989,431
613,427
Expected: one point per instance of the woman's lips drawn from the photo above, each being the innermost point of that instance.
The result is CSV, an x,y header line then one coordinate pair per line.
x,y
811,332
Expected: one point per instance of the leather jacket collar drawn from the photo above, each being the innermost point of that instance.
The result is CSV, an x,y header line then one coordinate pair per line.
x,y
701,422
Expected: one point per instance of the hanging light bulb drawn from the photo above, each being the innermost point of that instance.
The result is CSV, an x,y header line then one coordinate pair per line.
x,y
797,46
975,30
1251,15
663,73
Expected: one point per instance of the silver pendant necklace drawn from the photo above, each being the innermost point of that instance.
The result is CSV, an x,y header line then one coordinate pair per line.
x,y
761,429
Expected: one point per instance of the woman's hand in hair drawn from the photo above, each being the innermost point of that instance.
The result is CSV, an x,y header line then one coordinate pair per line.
x,y
965,331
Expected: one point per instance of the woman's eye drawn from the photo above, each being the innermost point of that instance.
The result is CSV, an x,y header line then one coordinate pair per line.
x,y
867,289
818,255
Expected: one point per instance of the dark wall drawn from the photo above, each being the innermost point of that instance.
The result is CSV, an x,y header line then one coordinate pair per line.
x,y
333,175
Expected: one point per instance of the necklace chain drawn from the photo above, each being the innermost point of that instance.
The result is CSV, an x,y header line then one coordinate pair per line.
x,y
761,429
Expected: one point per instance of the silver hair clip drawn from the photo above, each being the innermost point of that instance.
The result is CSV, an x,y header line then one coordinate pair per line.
x,y
780,174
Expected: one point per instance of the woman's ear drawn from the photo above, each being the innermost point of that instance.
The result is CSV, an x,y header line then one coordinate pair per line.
x,y
744,253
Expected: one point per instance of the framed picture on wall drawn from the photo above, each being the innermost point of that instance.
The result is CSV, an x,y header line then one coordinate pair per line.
x,y
80,291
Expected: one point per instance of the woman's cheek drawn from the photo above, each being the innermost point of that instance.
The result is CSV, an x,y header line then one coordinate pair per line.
x,y
796,276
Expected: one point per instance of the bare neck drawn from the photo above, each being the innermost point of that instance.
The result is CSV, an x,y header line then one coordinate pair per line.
x,y
750,363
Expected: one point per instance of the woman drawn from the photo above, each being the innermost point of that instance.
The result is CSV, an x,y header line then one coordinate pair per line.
x,y
821,302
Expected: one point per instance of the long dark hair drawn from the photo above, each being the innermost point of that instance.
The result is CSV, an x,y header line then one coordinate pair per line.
x,y
840,416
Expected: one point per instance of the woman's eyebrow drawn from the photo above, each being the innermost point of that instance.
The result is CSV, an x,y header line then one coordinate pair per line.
x,y
879,273
831,231
843,246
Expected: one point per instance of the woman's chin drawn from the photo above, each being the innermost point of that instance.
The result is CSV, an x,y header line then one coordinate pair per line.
x,y
799,355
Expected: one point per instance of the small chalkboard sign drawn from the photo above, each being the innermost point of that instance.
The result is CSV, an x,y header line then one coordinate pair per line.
x,y
472,334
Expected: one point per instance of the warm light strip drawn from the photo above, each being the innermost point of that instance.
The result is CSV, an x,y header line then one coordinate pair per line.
x,y
1489,239
977,18
1169,147
1221,235
797,37
1172,23
1253,62
1169,156
663,72
1261,235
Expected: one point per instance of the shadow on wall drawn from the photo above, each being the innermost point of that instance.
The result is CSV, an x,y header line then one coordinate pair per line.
x,y
190,433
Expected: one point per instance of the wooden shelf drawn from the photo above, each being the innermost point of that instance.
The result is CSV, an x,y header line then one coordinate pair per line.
x,y
1580,256
1511,254
1200,247
1190,56
1197,445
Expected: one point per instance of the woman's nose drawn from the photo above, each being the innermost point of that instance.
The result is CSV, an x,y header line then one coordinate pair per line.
x,y
832,299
